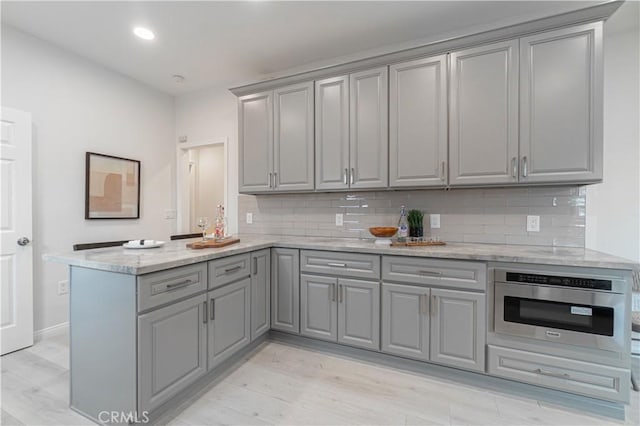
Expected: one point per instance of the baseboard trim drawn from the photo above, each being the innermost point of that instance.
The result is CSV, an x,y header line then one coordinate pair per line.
x,y
54,330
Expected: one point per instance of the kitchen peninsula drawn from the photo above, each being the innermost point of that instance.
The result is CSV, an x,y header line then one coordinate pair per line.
x,y
169,320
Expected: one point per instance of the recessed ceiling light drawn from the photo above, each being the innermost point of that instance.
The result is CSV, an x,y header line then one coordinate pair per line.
x,y
144,33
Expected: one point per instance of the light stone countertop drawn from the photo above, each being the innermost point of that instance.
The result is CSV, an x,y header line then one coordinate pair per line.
x,y
175,253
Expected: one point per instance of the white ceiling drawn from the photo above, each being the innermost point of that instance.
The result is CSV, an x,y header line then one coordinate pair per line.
x,y
228,43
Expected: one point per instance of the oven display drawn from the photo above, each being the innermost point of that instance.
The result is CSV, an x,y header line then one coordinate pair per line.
x,y
565,316
589,283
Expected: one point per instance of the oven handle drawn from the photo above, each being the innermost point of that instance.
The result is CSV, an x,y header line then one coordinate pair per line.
x,y
551,374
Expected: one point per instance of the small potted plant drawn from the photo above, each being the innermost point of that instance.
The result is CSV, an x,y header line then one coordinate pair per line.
x,y
415,218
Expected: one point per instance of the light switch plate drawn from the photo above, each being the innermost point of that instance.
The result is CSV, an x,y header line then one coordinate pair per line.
x,y
249,218
63,287
434,220
533,223
339,219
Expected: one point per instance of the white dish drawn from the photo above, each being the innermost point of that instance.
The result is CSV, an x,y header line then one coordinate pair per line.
x,y
145,246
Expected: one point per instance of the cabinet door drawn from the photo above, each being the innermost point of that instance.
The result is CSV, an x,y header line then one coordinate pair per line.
x,y
293,138
255,147
418,123
369,137
359,313
332,133
483,120
318,307
260,292
172,351
561,105
458,329
229,320
405,320
285,290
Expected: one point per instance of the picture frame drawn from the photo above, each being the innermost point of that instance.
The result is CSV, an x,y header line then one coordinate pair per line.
x,y
112,187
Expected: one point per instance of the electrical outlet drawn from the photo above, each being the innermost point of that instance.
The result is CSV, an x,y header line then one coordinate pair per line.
x,y
434,220
339,219
249,218
63,287
169,214
635,302
533,223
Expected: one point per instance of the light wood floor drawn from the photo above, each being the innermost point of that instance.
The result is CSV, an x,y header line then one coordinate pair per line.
x,y
280,384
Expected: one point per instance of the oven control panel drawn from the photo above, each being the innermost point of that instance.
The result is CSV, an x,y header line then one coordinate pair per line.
x,y
587,283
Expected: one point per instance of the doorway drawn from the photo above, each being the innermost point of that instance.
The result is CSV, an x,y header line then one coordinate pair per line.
x,y
206,183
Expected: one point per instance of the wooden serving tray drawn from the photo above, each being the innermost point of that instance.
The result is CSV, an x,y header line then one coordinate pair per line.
x,y
212,243
417,243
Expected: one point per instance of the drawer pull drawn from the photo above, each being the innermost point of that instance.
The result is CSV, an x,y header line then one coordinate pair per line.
x,y
179,285
204,312
337,265
551,374
333,293
213,309
340,295
234,269
431,273
424,304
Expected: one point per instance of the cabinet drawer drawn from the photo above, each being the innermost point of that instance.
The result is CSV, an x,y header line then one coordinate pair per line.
x,y
442,273
339,263
595,380
229,269
159,288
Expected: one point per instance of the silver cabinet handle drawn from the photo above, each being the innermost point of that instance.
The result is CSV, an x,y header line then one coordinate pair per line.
x,y
514,167
23,241
234,269
431,273
333,293
340,290
352,175
270,185
204,312
337,265
344,177
213,309
443,171
424,304
434,308
178,285
255,266
275,179
551,374
525,169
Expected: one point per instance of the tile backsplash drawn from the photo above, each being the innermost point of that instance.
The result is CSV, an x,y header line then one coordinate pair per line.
x,y
466,215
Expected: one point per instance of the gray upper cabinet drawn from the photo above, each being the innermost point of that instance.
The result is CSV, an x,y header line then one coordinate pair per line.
x,y
418,123
293,138
405,320
368,123
483,120
359,313
318,307
458,329
561,105
332,133
172,351
260,292
229,321
285,290
255,148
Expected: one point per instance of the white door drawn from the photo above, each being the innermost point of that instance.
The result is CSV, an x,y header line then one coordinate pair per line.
x,y
16,257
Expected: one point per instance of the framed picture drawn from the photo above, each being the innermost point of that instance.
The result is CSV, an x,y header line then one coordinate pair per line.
x,y
112,187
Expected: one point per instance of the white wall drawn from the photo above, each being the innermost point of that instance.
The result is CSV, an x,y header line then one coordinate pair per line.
x,y
78,106
613,207
210,116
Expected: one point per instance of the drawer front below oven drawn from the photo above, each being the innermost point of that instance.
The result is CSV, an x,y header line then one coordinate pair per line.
x,y
584,378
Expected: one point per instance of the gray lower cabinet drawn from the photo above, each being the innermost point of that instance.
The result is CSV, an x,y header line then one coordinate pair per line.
x,y
260,292
458,329
229,320
418,123
359,313
285,290
318,307
172,351
405,320
483,115
340,310
561,124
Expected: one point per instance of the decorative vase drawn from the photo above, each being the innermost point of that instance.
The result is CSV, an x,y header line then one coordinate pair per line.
x,y
416,232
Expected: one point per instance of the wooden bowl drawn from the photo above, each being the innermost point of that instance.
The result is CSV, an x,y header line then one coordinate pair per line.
x,y
383,231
